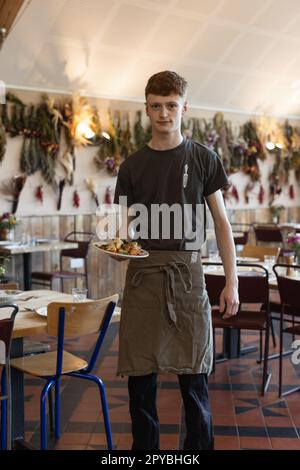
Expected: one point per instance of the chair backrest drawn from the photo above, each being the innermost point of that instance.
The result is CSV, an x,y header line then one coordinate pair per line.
x,y
83,239
288,286
267,233
260,251
9,286
6,330
243,229
81,318
253,284
77,319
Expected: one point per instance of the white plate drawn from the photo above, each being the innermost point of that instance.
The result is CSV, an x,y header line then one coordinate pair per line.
x,y
144,253
41,311
43,240
9,295
7,243
246,259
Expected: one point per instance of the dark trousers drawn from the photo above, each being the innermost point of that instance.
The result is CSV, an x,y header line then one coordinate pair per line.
x,y
145,423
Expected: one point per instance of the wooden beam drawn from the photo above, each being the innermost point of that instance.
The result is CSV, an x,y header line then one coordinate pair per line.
x,y
8,12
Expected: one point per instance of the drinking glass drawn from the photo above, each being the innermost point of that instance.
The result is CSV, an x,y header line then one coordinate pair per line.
x,y
269,261
79,294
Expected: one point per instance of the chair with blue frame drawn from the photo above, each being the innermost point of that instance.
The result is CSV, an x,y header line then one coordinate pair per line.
x,y
70,320
6,330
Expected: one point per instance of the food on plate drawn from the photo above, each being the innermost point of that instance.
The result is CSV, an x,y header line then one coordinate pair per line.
x,y
122,247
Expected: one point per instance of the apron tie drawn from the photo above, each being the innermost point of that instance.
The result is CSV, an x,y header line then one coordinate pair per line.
x,y
169,269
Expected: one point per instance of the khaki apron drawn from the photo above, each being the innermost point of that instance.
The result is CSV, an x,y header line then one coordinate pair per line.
x,y
166,316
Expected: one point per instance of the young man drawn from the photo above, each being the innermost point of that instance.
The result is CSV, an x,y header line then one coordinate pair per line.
x,y
166,318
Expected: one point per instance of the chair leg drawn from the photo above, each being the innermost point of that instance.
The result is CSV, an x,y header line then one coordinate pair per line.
x,y
273,333
104,410
50,409
43,416
280,359
3,412
9,407
266,376
57,409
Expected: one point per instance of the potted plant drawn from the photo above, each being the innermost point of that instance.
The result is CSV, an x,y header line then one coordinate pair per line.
x,y
7,224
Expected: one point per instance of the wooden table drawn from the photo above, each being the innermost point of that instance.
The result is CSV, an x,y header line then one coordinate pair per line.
x,y
29,323
28,250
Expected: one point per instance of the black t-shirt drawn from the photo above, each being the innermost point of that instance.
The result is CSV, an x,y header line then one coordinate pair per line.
x,y
183,176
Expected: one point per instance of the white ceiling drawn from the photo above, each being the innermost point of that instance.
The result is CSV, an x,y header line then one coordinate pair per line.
x,y
241,55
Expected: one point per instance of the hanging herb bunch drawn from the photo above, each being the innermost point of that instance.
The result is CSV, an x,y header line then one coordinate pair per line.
x,y
224,142
108,155
255,151
139,132
123,134
49,138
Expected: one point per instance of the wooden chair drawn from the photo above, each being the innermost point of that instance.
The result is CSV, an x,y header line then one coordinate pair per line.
x,y
83,240
267,233
9,286
6,330
244,230
253,289
290,312
69,320
260,251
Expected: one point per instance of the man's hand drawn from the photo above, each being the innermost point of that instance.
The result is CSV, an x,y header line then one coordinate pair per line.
x,y
229,298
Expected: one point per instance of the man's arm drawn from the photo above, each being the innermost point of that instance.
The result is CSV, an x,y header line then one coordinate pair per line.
x,y
229,295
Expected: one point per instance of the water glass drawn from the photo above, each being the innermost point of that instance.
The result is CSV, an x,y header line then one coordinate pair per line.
x,y
79,294
269,261
213,256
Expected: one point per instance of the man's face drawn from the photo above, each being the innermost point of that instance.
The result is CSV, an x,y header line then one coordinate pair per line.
x,y
165,112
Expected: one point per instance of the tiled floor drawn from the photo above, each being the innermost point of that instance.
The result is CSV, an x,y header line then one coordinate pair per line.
x,y
242,418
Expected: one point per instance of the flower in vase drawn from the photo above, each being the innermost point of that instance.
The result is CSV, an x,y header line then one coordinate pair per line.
x,y
293,241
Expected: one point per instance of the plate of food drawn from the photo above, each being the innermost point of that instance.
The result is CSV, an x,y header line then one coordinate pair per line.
x,y
122,249
9,295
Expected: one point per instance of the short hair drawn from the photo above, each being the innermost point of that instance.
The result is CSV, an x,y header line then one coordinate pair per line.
x,y
166,82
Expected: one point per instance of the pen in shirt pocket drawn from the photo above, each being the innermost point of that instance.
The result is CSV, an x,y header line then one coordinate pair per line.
x,y
185,176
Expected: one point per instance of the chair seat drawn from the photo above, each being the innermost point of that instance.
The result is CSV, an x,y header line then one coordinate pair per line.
x,y
294,330
56,274
43,365
244,320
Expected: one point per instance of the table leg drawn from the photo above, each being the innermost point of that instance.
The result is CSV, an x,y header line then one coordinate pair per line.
x,y
27,269
17,391
232,345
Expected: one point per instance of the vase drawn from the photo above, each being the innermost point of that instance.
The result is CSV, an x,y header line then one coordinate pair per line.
x,y
4,234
